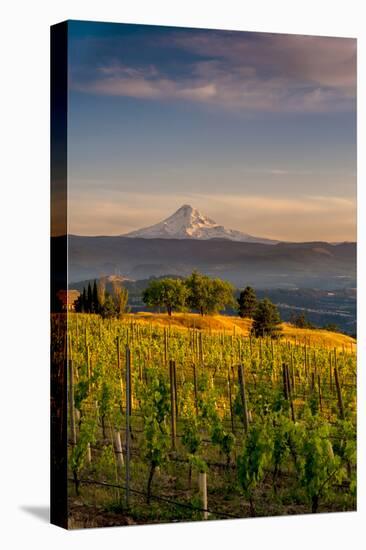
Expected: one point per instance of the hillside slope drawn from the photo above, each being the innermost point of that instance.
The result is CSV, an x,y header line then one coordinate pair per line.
x,y
236,325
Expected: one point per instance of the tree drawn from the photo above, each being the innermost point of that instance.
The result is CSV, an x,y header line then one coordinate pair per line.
x,y
89,300
95,301
198,291
108,310
101,293
80,302
300,321
120,296
208,295
332,327
220,295
168,293
247,302
266,319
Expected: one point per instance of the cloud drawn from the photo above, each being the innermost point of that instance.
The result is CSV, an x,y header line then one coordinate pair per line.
x,y
325,61
247,71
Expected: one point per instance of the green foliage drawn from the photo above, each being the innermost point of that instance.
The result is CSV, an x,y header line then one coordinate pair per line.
x,y
308,462
266,319
332,327
247,302
81,391
109,309
208,295
168,293
256,456
105,398
87,435
300,321
155,407
198,463
106,463
225,440
191,438
318,467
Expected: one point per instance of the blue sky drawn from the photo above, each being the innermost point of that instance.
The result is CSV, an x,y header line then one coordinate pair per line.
x,y
258,131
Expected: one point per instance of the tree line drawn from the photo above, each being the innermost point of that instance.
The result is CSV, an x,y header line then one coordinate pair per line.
x,y
208,296
197,292
98,300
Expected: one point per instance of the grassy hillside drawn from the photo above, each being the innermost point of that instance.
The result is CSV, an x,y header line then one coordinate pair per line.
x,y
220,323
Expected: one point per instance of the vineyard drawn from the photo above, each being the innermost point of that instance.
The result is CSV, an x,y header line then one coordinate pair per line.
x,y
170,423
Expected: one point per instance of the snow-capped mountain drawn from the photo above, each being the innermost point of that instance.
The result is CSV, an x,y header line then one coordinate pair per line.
x,y
189,223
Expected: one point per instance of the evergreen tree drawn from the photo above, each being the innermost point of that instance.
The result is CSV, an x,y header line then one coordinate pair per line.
x,y
247,302
84,301
89,304
266,319
95,298
78,304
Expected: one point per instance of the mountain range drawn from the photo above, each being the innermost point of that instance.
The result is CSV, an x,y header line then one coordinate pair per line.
x,y
283,265
189,223
188,240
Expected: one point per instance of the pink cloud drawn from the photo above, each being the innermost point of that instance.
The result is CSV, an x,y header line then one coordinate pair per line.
x,y
279,73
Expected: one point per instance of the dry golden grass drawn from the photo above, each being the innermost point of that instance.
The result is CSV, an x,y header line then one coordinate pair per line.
x,y
319,337
231,324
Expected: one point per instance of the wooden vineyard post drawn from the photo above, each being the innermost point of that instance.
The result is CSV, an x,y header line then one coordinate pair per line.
x,y
77,332
200,348
88,362
230,399
320,394
330,372
306,362
260,354
313,382
292,371
71,404
118,448
89,455
243,396
285,384
128,423
339,393
195,387
165,346
289,392
172,405
202,483
119,368
175,389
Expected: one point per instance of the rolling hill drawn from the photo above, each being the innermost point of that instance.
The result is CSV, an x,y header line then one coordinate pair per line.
x,y
282,265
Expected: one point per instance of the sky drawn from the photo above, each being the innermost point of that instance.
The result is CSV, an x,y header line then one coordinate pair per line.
x,y
256,130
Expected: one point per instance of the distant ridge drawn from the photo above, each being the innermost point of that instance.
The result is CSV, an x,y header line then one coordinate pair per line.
x,y
189,223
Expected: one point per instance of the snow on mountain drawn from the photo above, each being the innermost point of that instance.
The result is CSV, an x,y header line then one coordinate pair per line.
x,y
189,223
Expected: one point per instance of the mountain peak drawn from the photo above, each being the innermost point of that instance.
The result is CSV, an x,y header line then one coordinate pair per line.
x,y
189,223
186,207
